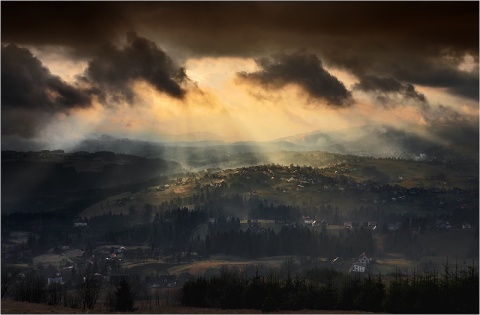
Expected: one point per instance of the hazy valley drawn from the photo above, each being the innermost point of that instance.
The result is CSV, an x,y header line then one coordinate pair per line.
x,y
188,212
240,157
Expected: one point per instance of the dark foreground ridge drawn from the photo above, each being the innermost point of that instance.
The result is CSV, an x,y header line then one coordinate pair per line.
x,y
14,307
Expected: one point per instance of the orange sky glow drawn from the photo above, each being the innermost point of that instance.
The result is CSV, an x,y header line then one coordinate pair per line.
x,y
236,72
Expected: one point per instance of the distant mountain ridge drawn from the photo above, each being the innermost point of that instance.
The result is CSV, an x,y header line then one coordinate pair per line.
x,y
380,141
192,137
368,140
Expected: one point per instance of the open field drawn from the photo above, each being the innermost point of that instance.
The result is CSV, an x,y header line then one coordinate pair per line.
x,y
385,264
199,268
450,243
148,267
54,259
14,307
48,259
18,237
392,262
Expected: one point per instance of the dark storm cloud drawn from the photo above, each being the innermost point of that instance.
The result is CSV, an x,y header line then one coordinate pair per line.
x,y
30,93
113,69
421,43
382,87
222,27
457,82
81,25
26,83
435,70
303,69
436,73
406,41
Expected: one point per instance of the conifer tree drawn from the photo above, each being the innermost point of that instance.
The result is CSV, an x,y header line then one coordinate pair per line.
x,y
124,297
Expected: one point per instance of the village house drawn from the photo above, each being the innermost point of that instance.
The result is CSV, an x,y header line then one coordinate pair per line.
x,y
443,225
307,220
363,259
466,225
360,264
57,279
395,226
350,224
357,268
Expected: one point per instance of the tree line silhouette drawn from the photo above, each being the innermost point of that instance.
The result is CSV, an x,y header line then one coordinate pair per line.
x,y
455,290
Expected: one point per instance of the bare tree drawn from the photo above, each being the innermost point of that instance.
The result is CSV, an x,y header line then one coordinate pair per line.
x,y
9,276
55,293
289,266
88,289
31,288
110,299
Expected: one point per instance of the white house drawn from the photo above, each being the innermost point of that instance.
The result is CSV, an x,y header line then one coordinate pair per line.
x,y
357,268
57,279
363,259
360,265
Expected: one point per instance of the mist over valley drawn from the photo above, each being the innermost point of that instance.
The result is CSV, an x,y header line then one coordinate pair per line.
x,y
244,157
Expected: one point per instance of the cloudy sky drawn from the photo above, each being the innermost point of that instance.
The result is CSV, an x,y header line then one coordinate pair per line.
x,y
240,71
